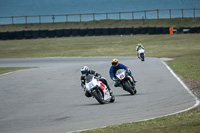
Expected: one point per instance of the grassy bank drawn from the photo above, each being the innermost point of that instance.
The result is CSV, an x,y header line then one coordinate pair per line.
x,y
176,22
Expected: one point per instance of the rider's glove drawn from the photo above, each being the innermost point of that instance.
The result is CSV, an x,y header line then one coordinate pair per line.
x,y
82,77
128,71
98,75
114,79
92,72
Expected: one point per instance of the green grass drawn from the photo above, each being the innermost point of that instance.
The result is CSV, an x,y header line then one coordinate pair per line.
x,y
187,122
156,46
185,48
187,66
11,69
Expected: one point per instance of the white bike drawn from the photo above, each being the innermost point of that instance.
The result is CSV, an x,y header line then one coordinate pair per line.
x,y
141,54
98,89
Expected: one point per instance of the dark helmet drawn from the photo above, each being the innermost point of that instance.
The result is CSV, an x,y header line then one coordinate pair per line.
x,y
115,62
139,45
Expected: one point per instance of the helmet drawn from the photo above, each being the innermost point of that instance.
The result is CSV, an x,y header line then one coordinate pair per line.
x,y
139,44
84,70
114,62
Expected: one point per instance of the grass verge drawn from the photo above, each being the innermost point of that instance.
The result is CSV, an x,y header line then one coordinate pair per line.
x,y
185,48
187,122
11,69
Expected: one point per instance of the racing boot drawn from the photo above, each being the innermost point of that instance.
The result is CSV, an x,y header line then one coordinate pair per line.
x,y
133,79
111,93
138,56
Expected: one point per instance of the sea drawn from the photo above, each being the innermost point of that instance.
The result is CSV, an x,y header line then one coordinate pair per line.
x,y
70,10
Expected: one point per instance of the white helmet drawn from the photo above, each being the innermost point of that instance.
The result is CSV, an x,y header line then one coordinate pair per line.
x,y
84,70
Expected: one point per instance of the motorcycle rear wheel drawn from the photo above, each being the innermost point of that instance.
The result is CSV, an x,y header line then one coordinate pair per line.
x,y
112,99
142,57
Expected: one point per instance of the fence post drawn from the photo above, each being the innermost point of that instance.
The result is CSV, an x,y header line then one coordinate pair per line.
x,y
106,15
170,13
80,17
12,20
66,18
194,12
182,13
53,18
119,15
93,16
39,19
157,13
143,20
26,19
145,14
132,15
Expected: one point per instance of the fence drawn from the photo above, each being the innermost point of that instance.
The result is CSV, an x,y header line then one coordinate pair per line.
x,y
146,14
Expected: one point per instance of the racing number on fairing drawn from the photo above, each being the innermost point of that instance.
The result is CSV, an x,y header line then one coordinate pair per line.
x,y
91,85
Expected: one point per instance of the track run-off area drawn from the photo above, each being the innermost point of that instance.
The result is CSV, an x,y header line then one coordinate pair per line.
x,y
48,98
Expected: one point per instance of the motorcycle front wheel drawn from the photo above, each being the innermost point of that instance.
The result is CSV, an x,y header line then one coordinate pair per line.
x,y
98,96
112,99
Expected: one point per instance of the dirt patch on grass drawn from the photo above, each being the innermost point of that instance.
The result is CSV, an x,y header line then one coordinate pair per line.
x,y
193,85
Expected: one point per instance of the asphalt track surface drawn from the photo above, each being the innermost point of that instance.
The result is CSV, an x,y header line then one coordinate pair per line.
x,y
49,98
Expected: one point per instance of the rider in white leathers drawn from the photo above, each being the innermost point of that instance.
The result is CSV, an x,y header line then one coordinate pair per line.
x,y
85,71
137,48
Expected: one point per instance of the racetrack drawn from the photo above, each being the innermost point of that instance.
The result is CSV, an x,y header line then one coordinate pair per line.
x,y
50,99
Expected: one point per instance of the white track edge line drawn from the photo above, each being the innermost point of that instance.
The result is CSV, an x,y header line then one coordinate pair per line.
x,y
6,73
183,84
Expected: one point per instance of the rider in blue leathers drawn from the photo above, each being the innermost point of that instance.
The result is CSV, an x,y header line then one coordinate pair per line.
x,y
116,66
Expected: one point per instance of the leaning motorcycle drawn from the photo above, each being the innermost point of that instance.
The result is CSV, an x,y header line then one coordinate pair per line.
x,y
141,54
126,81
98,89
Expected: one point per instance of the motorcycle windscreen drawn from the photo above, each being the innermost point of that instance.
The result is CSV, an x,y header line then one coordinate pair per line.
x,y
120,73
89,78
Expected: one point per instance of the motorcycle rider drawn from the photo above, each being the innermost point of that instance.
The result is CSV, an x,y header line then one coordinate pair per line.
x,y
113,69
137,48
85,71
